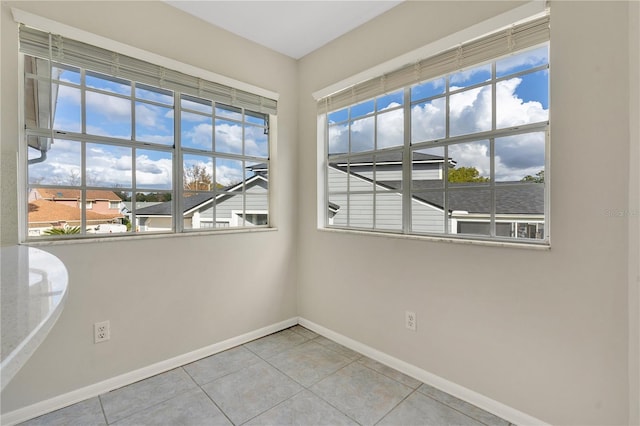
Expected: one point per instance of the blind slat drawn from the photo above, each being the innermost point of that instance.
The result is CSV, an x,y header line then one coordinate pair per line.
x,y
72,52
475,52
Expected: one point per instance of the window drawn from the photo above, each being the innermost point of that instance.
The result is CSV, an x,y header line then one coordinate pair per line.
x,y
460,153
105,131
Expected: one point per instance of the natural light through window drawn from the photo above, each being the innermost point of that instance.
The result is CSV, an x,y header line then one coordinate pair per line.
x,y
461,155
113,155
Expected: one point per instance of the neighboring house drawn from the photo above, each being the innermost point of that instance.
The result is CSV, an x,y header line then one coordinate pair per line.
x,y
230,209
59,208
519,206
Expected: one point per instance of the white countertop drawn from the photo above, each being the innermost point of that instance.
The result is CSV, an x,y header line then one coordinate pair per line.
x,y
32,295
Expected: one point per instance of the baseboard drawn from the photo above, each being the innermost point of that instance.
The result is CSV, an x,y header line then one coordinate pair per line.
x,y
61,401
501,410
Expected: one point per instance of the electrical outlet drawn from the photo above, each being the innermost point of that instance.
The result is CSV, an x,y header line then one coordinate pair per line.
x,y
101,332
410,320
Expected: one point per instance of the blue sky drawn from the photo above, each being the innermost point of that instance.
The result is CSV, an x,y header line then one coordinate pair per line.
x,y
108,114
520,99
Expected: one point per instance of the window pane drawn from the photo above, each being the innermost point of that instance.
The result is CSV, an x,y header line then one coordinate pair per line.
x,y
154,124
520,158
66,73
361,173
338,116
256,142
229,173
471,163
255,118
427,170
197,172
362,109
388,170
68,112
36,103
361,210
228,112
338,139
390,129
228,137
337,177
428,121
199,211
523,199
153,169
107,83
362,134
427,89
522,61
108,115
390,101
337,210
389,210
108,165
522,100
60,165
470,77
475,201
260,169
154,212
427,214
154,94
54,211
196,104
196,131
470,111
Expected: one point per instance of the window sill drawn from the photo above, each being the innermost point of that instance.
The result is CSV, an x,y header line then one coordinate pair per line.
x,y
137,237
487,243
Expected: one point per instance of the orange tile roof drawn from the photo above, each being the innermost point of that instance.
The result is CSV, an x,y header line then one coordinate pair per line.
x,y
44,211
75,194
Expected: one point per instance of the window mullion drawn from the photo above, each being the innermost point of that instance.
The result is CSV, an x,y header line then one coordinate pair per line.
x,y
178,166
406,165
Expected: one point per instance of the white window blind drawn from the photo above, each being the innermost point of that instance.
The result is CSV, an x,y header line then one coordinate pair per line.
x,y
72,52
472,53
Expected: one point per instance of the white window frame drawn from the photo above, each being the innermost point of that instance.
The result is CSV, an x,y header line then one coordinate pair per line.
x,y
47,25
526,12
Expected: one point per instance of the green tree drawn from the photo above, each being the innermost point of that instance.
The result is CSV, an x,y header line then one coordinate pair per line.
x,y
63,231
466,174
538,178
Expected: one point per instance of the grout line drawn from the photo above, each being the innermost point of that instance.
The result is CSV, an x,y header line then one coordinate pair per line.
x,y
395,406
104,413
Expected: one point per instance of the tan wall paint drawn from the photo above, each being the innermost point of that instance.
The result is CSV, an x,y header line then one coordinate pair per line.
x,y
164,297
542,331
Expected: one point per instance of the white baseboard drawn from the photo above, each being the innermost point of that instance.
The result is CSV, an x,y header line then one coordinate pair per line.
x,y
61,401
501,410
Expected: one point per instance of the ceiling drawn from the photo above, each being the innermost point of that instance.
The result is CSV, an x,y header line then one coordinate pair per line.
x,y
294,28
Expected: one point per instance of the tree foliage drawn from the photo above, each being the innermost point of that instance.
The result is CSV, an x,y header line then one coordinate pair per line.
x,y
196,178
538,178
62,231
466,174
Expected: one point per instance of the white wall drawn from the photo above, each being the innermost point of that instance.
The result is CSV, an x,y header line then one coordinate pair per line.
x,y
544,332
170,296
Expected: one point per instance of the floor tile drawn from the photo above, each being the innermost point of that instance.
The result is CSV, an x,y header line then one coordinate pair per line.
x,y
361,393
273,344
246,393
221,364
342,350
85,413
303,409
390,372
308,363
462,406
192,408
304,332
419,409
130,399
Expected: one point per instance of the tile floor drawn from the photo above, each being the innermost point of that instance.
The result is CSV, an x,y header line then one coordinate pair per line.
x,y
293,377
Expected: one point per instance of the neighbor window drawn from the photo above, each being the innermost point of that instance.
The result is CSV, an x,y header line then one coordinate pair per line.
x,y
120,146
461,152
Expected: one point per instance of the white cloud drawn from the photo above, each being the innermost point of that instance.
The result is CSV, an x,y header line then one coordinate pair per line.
x,y
226,175
229,138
